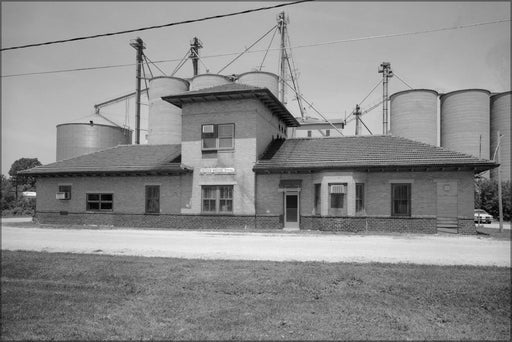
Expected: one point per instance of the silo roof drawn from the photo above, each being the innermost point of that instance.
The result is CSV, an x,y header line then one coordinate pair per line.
x,y
95,118
235,91
119,160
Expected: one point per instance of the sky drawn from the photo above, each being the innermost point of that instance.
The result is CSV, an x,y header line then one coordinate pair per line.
x,y
335,69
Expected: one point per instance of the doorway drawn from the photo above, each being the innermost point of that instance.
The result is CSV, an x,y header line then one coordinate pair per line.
x,y
291,210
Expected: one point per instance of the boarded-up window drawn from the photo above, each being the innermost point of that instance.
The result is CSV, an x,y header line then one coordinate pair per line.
x,y
318,188
359,197
401,199
152,199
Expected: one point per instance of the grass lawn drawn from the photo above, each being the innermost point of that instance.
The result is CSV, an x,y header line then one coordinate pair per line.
x,y
96,297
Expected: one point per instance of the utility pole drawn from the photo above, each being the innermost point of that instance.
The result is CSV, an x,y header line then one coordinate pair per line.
x,y
195,45
358,124
385,70
281,24
500,199
138,45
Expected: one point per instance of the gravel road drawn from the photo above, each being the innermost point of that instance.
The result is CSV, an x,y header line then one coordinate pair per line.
x,y
279,246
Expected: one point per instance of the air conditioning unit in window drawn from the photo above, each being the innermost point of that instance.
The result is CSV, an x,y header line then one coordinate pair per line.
x,y
208,129
62,195
337,189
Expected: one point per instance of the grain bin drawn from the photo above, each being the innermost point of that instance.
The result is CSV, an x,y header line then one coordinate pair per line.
x,y
500,121
88,135
260,79
204,81
465,122
414,115
164,119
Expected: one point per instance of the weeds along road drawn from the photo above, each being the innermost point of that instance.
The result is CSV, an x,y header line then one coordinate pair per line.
x,y
420,249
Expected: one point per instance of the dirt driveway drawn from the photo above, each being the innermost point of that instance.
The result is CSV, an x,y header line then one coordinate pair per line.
x,y
420,249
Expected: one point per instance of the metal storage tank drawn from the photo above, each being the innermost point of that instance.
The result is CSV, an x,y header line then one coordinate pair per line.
x,y
260,79
414,115
164,119
465,122
204,81
88,135
500,121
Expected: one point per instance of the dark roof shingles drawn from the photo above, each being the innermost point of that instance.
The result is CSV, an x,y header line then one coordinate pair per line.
x,y
363,151
122,158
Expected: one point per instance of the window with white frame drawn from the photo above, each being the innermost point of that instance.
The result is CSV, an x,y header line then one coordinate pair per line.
x,y
217,137
217,199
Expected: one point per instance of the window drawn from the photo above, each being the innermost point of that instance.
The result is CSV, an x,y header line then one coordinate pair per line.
x,y
309,134
152,199
64,192
218,137
318,188
359,197
327,132
337,193
401,199
217,199
100,202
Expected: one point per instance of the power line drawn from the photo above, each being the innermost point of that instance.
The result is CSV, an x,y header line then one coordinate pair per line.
x,y
153,27
266,50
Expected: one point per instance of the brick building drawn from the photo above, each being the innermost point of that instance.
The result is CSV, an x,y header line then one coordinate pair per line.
x,y
235,168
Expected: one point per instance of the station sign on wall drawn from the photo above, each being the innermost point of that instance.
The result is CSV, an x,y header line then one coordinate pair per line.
x,y
217,171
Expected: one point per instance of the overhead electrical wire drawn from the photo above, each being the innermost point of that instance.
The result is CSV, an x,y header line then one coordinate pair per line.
x,y
274,49
155,26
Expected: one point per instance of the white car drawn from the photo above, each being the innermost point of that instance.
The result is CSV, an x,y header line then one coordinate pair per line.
x,y
482,216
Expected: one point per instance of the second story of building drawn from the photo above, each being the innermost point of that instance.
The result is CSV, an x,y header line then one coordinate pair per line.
x,y
229,126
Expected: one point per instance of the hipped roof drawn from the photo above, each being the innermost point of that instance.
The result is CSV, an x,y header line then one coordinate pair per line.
x,y
235,91
371,153
119,160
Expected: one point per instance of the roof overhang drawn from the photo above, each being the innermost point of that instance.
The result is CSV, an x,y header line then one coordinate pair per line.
x,y
475,168
262,94
170,171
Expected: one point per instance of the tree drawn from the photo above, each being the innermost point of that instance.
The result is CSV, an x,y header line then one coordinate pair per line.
x,y
8,198
486,197
27,181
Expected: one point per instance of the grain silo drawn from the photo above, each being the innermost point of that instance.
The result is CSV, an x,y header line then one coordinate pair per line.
x,y
414,115
164,119
260,79
89,134
465,122
500,121
204,81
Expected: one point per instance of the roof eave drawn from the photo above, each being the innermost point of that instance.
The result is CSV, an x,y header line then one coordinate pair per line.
x,y
476,168
262,94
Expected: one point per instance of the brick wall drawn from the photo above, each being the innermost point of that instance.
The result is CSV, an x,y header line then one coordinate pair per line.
x,y
467,226
129,193
254,128
172,221
370,224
